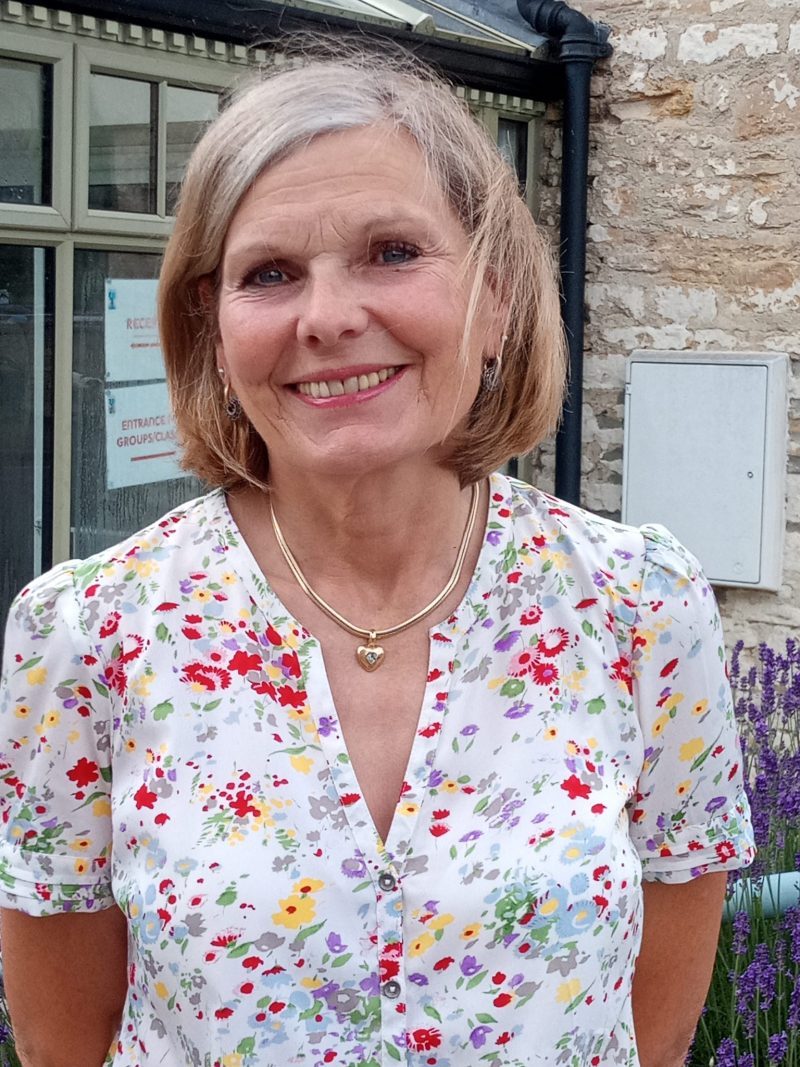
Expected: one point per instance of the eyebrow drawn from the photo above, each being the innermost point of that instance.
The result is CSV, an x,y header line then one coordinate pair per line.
x,y
374,221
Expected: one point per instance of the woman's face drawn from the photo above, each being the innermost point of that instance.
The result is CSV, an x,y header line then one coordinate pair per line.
x,y
342,307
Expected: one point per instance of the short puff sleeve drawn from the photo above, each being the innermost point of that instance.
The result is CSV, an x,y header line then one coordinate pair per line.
x,y
55,773
690,815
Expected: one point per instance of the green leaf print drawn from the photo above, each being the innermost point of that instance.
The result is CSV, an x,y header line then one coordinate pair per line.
x,y
162,710
238,951
434,1014
476,980
484,1017
246,1046
162,632
512,688
26,666
392,1051
227,896
309,930
340,961
596,705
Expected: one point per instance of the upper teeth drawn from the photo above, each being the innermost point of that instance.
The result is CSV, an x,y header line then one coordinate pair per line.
x,y
342,386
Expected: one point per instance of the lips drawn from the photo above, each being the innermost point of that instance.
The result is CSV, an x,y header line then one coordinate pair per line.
x,y
348,386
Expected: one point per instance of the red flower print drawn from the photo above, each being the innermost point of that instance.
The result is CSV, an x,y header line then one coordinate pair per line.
x,y
441,813
621,671
598,809
388,968
668,668
273,636
502,999
83,773
582,605
244,662
350,798
504,1038
294,698
115,677
276,1006
545,673
424,1040
434,674
291,663
191,632
439,829
553,642
111,625
522,664
725,851
252,963
223,1013
144,798
575,788
531,616
241,805
135,648
443,963
166,606
203,674
498,978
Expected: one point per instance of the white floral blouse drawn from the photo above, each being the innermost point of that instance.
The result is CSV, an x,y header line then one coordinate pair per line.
x,y
168,741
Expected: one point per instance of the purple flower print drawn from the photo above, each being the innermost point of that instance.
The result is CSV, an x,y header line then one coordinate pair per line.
x,y
354,867
418,979
335,943
469,966
370,984
471,835
478,1036
622,554
493,537
715,804
505,644
518,711
435,778
468,731
326,726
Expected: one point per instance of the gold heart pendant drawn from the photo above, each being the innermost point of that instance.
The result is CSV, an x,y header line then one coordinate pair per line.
x,y
370,656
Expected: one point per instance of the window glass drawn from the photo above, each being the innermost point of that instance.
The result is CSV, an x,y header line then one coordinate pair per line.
x,y
26,415
189,111
117,477
122,144
512,140
24,132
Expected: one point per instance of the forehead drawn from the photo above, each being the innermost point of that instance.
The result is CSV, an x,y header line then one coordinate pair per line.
x,y
353,175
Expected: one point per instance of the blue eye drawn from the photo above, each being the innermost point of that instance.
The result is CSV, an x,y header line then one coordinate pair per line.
x,y
396,253
266,276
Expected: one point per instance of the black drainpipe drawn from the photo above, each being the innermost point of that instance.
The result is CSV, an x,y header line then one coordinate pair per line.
x,y
580,44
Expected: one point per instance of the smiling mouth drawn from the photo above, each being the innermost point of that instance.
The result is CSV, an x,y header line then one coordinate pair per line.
x,y
345,386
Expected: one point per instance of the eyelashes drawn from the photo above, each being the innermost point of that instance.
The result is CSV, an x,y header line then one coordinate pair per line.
x,y
388,253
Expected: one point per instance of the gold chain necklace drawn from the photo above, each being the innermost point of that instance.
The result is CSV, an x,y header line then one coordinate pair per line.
x,y
371,655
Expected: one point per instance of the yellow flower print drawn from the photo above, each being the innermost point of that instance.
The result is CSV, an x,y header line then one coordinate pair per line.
x,y
570,855
130,745
311,982
421,944
438,922
229,578
635,585
572,748
551,733
550,906
145,567
684,786
691,749
470,931
408,808
142,683
161,990
233,1059
300,713
495,683
659,724
101,807
574,680
52,718
81,866
22,711
699,707
673,701
449,786
567,991
73,736
37,676
203,595
303,764
80,844
295,911
308,885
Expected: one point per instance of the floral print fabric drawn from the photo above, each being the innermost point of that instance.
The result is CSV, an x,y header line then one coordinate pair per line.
x,y
169,742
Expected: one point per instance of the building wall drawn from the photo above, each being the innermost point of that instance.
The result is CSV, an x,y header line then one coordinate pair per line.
x,y
694,236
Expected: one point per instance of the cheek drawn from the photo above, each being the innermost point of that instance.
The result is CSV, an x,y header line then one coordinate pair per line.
x,y
250,341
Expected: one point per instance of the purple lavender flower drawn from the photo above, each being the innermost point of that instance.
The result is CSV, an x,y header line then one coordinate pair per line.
x,y
741,932
777,1047
726,1053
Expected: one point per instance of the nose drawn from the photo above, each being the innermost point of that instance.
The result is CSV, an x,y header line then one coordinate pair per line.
x,y
331,309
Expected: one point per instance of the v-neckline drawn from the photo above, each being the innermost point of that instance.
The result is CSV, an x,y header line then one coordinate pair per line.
x,y
442,639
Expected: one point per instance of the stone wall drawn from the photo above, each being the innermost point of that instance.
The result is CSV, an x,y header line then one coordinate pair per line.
x,y
694,235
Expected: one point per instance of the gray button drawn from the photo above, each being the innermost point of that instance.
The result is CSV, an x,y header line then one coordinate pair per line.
x,y
387,881
391,989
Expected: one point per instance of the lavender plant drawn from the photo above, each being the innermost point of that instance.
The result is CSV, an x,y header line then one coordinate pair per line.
x,y
752,1015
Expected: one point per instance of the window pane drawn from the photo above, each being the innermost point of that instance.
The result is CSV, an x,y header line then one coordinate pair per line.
x,y
26,415
122,144
512,140
189,111
103,516
25,130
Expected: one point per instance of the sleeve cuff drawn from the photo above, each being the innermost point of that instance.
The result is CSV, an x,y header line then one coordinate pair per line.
x,y
20,890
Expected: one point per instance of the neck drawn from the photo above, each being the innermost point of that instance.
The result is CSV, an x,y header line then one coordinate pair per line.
x,y
385,542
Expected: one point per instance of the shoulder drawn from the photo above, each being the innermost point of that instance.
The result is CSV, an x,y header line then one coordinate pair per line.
x,y
59,595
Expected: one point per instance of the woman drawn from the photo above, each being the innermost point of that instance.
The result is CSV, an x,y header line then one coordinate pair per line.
x,y
366,751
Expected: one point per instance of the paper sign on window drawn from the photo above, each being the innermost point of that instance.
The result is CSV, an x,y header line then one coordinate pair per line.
x,y
133,349
141,446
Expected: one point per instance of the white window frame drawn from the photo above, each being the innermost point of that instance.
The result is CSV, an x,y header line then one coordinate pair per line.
x,y
32,48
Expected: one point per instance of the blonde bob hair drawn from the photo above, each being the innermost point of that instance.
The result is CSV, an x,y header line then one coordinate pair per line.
x,y
286,107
